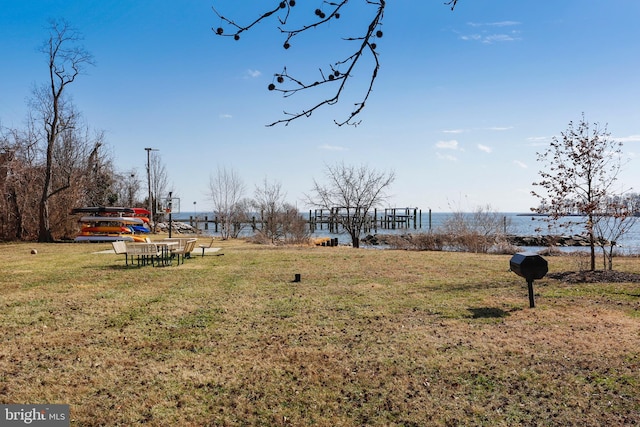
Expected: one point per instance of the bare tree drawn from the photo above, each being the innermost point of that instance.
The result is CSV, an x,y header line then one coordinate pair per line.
x,y
350,194
226,190
84,175
582,166
100,180
477,231
128,186
159,183
66,61
19,174
614,220
268,201
335,75
281,221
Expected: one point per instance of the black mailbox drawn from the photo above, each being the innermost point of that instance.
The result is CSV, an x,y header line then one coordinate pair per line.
x,y
531,267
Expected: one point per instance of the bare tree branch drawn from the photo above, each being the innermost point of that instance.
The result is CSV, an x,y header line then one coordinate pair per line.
x,y
335,75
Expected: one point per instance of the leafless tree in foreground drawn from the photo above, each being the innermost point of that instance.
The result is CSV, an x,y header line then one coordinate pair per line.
x,y
66,60
337,74
351,193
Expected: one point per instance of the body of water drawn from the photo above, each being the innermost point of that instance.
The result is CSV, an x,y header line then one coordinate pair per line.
x,y
512,223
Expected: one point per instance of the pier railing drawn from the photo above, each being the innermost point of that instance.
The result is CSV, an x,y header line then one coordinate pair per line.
x,y
328,219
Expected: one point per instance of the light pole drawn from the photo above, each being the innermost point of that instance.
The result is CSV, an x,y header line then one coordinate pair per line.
x,y
170,207
195,216
150,204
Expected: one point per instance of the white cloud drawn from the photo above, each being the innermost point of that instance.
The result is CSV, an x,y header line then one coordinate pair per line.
x,y
471,37
484,148
489,38
253,73
494,24
332,147
538,141
226,116
500,128
520,164
630,138
447,157
448,145
453,131
496,38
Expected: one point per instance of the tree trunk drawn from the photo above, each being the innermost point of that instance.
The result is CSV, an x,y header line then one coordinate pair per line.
x,y
592,243
44,228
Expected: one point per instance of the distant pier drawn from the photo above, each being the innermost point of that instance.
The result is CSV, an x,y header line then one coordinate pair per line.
x,y
330,219
389,219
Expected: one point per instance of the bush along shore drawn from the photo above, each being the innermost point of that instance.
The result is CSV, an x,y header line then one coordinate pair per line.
x,y
440,241
436,241
550,240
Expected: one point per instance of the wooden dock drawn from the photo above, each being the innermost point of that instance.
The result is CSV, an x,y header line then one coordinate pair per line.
x,y
389,219
330,219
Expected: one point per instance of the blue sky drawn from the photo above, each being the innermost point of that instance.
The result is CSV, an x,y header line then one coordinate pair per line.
x,y
463,100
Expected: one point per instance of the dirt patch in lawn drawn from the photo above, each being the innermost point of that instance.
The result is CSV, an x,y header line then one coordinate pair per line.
x,y
597,276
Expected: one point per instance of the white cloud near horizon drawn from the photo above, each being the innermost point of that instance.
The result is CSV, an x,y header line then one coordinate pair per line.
x,y
484,148
453,131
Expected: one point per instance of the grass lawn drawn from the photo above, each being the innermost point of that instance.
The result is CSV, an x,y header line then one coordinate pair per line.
x,y
366,338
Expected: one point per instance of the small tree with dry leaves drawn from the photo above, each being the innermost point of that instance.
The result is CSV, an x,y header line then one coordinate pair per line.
x,y
582,166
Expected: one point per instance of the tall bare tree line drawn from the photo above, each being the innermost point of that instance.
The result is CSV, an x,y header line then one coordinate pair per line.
x,y
55,161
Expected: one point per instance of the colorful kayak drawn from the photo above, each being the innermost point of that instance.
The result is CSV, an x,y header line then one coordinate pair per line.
x,y
139,229
114,219
112,223
104,238
106,229
141,212
103,209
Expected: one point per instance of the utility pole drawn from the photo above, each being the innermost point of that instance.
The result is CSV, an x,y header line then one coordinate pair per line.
x,y
149,150
170,207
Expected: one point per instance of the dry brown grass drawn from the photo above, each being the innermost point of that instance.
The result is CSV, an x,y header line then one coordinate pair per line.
x,y
368,337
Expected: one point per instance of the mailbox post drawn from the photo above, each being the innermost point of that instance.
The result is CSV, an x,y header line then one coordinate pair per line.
x,y
530,266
